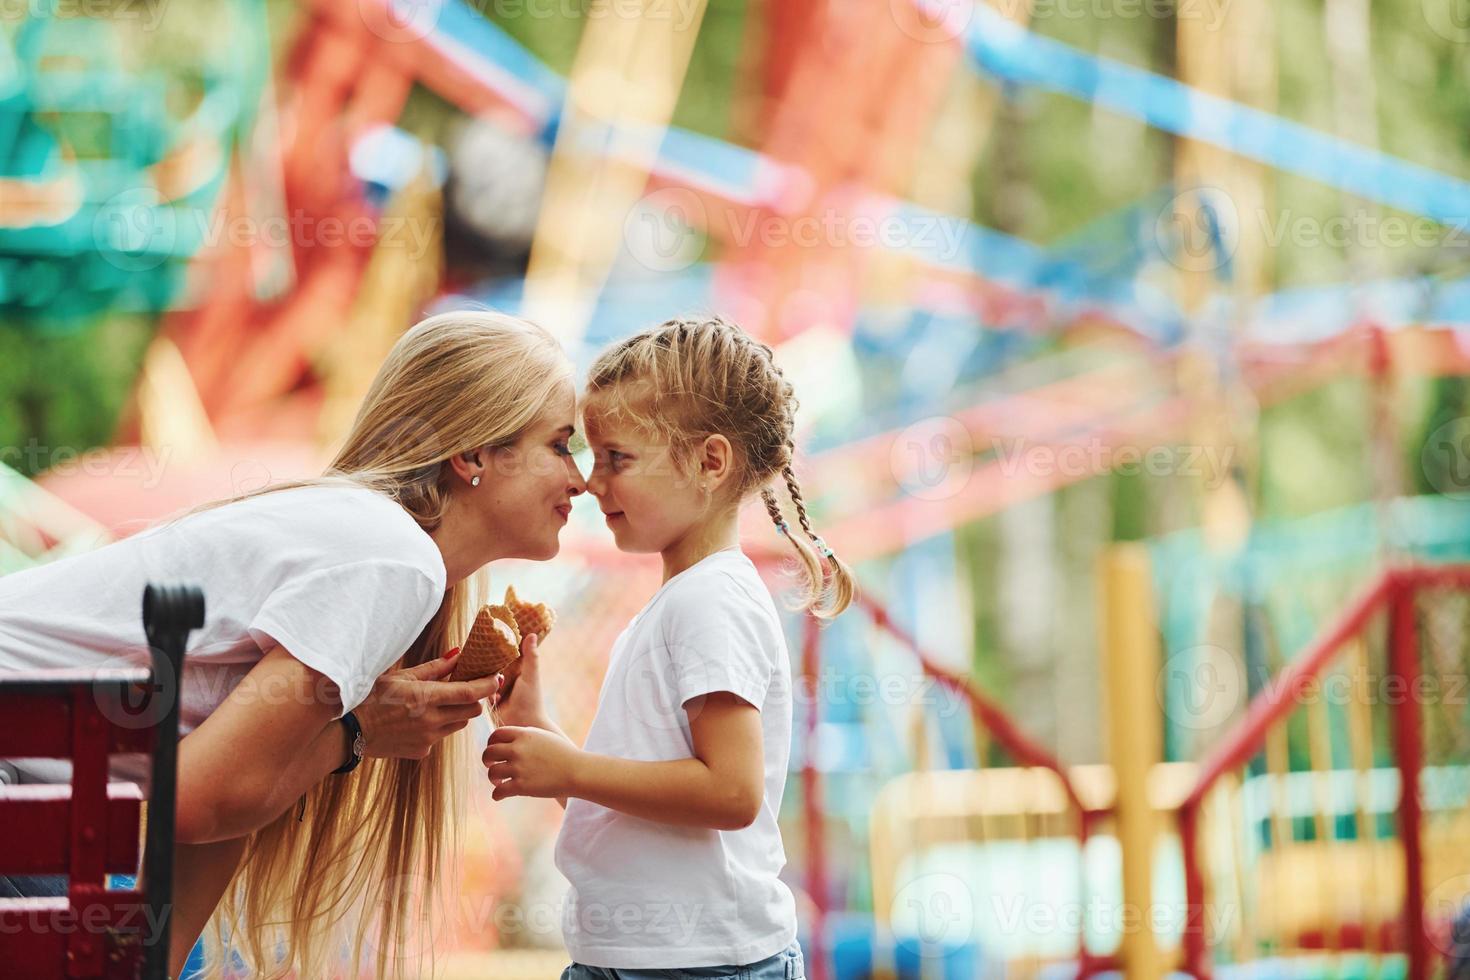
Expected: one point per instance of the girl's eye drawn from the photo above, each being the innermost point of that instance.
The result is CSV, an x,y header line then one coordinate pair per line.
x,y
562,449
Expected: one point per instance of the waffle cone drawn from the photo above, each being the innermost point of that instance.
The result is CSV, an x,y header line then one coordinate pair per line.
x,y
493,645
531,617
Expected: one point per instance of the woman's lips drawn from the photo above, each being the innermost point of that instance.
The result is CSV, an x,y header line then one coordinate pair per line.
x,y
614,516
565,510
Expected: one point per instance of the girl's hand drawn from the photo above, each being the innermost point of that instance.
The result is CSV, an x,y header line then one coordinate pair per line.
x,y
410,710
523,705
531,762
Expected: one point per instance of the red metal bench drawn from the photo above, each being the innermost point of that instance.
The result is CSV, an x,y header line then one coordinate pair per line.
x,y
90,828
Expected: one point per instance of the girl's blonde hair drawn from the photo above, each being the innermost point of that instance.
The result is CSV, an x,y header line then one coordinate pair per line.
x,y
358,866
689,379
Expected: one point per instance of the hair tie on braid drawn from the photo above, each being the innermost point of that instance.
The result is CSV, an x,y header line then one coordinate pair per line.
x,y
791,486
774,509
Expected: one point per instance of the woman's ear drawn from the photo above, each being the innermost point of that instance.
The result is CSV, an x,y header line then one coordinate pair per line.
x,y
469,465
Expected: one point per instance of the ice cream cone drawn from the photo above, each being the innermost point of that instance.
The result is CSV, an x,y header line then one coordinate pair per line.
x,y
493,645
531,617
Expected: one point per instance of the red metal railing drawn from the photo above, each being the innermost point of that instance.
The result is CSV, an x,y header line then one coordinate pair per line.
x,y
987,716
1395,594
89,829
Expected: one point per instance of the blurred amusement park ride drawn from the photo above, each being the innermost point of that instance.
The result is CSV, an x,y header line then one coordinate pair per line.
x,y
1259,832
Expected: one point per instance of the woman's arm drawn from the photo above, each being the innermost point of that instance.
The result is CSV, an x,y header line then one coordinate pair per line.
x,y
276,735
202,872
271,740
266,744
721,787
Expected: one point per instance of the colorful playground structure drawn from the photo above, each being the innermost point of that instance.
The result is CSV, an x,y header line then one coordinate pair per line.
x,y
1277,774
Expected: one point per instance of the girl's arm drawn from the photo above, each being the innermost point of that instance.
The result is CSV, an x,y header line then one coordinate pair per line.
x,y
526,707
722,787
544,722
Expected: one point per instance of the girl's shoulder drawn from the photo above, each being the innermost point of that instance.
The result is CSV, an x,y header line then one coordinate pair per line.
x,y
725,584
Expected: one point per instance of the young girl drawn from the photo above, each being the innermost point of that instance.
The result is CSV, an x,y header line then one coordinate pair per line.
x,y
670,839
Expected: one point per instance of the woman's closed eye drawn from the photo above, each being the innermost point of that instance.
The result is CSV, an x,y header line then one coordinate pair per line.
x,y
571,445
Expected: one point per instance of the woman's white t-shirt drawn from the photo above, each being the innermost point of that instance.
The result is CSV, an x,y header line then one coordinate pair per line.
x,y
648,895
342,577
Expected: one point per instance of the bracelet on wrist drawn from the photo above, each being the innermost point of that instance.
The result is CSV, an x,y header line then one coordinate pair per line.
x,y
355,744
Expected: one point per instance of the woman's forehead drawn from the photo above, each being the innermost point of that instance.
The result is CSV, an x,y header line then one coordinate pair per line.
x,y
560,409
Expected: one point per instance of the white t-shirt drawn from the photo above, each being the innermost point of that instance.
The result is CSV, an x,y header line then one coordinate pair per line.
x,y
648,895
342,577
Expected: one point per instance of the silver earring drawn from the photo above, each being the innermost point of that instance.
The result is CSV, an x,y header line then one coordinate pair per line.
x,y
475,482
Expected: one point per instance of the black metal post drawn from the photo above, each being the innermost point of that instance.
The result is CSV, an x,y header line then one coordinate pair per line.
x,y
170,612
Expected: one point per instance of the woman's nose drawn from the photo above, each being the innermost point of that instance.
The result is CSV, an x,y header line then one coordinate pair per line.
x,y
576,485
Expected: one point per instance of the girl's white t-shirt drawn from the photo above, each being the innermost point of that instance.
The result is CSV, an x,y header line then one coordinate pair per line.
x,y
648,895
342,577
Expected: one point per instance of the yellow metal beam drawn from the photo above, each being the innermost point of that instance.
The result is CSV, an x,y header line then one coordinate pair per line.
x,y
621,95
1135,739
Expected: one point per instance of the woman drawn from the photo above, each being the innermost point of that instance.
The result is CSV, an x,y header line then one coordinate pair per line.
x,y
313,589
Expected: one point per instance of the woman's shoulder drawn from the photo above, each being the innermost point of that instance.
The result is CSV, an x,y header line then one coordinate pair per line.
x,y
347,524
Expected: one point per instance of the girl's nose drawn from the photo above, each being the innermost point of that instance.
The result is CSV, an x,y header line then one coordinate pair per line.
x,y
594,484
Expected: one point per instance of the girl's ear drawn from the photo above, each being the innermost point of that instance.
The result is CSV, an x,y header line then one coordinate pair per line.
x,y
717,460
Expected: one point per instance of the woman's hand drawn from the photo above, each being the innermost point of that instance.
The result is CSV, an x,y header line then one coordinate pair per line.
x,y
410,710
523,705
531,762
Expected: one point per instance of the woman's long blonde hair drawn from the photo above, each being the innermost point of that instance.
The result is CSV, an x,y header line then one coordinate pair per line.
x,y
358,868
689,379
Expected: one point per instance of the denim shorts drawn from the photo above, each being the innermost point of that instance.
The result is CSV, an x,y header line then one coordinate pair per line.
x,y
27,886
785,965
32,886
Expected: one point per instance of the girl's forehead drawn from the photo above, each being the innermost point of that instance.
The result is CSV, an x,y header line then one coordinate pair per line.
x,y
601,424
617,429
